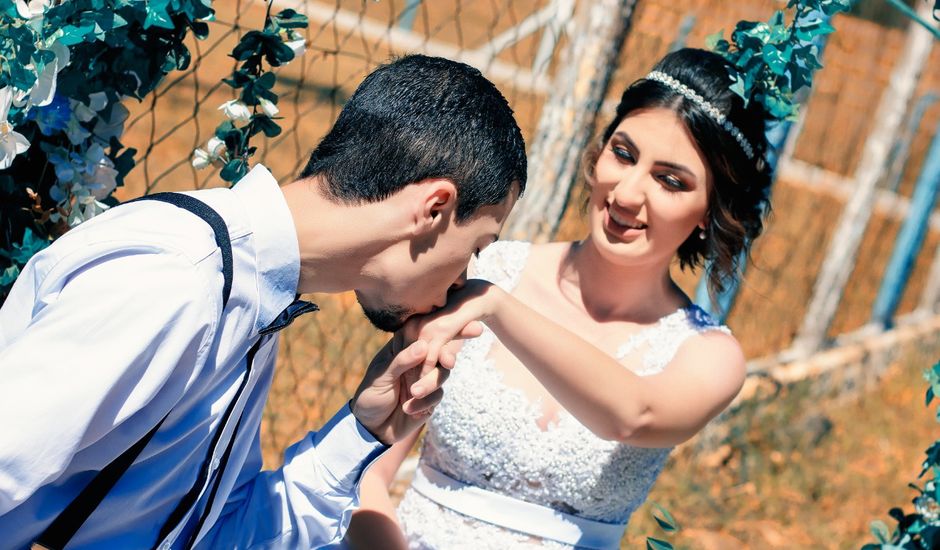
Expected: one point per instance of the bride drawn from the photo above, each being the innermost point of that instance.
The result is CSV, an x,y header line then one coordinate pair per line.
x,y
593,364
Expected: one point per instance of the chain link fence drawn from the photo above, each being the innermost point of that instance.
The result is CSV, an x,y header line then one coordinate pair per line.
x,y
516,44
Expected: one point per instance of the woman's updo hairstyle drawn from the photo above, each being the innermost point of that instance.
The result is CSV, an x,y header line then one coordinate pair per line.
x,y
738,198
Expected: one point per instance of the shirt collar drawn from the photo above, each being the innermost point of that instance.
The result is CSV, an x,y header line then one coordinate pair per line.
x,y
277,253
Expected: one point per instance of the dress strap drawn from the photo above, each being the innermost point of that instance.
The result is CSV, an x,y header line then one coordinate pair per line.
x,y
512,513
662,340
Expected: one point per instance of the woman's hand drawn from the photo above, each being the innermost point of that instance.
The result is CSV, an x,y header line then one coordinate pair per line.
x,y
458,319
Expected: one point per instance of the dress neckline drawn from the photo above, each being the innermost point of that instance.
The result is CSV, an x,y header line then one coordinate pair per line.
x,y
515,276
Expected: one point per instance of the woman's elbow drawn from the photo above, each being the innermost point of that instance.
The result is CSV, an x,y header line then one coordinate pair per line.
x,y
626,428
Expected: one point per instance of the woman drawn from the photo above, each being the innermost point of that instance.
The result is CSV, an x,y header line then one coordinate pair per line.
x,y
594,364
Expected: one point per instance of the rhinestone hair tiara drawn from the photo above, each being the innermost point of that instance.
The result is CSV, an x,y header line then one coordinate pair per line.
x,y
709,109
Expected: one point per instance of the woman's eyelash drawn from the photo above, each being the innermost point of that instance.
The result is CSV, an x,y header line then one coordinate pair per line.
x,y
672,184
622,153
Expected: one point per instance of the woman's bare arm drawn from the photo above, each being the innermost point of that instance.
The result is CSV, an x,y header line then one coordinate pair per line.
x,y
612,401
374,524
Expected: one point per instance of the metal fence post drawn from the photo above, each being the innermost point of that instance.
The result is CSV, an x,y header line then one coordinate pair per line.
x,y
910,238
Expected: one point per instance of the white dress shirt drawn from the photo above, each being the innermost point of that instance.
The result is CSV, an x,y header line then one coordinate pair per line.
x,y
120,321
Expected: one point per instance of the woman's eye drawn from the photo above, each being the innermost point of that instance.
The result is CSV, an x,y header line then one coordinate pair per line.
x,y
672,183
622,154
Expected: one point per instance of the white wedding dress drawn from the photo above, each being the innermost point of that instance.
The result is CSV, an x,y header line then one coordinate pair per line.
x,y
527,483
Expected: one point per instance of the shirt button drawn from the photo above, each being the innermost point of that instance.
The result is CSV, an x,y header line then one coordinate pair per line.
x,y
215,463
165,545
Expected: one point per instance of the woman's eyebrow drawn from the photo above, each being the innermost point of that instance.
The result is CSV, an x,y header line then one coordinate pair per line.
x,y
623,135
677,167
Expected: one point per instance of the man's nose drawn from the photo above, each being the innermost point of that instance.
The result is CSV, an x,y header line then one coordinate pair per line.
x,y
460,282
456,285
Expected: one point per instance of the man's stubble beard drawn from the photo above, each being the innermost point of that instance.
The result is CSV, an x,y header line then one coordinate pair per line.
x,y
389,319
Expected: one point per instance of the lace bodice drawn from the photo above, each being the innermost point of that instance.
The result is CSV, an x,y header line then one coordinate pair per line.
x,y
486,433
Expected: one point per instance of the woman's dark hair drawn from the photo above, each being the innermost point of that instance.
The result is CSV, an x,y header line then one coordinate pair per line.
x,y
737,200
423,117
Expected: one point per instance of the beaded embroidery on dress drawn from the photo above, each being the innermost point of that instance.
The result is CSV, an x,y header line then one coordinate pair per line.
x,y
486,434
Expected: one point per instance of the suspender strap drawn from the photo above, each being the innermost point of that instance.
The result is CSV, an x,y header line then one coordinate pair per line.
x,y
70,520
215,221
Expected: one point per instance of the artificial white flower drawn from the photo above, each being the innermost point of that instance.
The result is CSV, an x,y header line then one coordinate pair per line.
x,y
203,157
297,46
269,108
215,147
32,9
12,143
236,110
200,159
43,90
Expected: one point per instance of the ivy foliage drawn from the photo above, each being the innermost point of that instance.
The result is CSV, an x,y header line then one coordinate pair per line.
x,y
66,67
666,523
775,59
919,529
255,110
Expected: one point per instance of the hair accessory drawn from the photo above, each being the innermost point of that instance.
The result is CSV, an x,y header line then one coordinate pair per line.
x,y
709,109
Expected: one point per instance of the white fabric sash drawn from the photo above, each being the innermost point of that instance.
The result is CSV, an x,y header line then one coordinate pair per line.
x,y
515,514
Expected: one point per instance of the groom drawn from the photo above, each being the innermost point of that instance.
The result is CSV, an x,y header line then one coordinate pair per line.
x,y
146,338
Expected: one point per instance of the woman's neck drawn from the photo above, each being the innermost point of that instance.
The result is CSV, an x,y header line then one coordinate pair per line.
x,y
641,293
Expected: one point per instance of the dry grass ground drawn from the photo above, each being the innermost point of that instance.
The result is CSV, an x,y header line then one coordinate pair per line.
x,y
802,473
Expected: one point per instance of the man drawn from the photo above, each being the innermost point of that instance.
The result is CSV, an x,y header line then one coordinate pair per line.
x,y
127,323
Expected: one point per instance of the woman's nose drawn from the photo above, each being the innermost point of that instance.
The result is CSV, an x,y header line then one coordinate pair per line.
x,y
630,190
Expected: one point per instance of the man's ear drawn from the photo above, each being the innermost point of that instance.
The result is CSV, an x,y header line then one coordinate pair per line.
x,y
436,200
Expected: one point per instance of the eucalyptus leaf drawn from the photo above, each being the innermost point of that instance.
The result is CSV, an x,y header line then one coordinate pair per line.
x,y
657,544
880,531
234,170
712,40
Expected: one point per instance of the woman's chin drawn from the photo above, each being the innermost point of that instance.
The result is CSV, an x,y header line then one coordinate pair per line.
x,y
620,252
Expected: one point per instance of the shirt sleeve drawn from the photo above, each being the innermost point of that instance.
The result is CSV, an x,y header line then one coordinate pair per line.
x,y
307,503
104,337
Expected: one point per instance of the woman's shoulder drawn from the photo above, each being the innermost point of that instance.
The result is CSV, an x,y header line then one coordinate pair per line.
x,y
500,262
711,343
503,261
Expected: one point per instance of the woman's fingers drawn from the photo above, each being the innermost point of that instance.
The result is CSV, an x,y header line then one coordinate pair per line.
x,y
448,355
430,382
425,404
471,330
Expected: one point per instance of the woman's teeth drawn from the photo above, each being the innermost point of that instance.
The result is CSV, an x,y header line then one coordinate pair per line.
x,y
625,223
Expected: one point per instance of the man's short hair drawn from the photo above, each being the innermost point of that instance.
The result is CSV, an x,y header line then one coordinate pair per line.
x,y
417,118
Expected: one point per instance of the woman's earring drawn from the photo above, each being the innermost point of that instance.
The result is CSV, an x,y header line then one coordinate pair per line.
x,y
701,234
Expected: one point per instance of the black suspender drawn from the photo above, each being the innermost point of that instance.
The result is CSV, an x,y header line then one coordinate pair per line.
x,y
70,520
